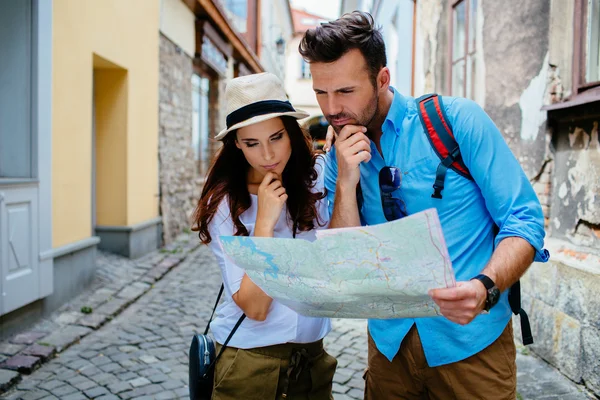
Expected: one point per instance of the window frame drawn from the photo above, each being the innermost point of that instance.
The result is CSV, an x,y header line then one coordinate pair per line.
x,y
304,66
580,86
467,53
202,163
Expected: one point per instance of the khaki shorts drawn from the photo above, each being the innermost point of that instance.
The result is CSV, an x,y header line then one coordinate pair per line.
x,y
291,371
490,374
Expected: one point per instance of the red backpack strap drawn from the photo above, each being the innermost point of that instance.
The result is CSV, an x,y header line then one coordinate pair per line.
x,y
439,132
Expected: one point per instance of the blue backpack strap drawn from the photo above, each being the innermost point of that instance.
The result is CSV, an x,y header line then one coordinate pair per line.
x,y
439,132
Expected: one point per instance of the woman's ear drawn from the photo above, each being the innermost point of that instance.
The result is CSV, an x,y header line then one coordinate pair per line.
x,y
237,144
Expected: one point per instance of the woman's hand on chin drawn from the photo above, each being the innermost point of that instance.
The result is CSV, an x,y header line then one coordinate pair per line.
x,y
271,199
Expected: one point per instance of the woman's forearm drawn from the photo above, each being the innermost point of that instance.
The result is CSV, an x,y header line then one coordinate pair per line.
x,y
250,298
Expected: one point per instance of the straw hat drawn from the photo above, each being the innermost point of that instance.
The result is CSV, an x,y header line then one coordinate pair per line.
x,y
256,98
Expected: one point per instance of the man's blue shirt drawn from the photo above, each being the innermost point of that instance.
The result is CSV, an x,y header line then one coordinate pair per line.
x,y
500,195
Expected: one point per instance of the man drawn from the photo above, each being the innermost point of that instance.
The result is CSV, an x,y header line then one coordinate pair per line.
x,y
493,224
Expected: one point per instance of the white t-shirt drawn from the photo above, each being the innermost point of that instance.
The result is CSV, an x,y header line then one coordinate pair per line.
x,y
282,324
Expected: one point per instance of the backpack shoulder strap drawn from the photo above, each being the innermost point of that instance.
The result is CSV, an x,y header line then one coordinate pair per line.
x,y
439,132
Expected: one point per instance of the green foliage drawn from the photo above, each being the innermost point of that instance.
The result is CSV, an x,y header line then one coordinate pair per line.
x,y
86,310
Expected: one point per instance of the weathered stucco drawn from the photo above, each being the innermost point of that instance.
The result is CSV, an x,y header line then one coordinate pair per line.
x,y
432,28
575,208
526,54
515,43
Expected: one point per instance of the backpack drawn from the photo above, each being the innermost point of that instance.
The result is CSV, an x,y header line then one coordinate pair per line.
x,y
439,132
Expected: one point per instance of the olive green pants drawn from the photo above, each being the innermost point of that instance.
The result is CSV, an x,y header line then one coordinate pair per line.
x,y
290,371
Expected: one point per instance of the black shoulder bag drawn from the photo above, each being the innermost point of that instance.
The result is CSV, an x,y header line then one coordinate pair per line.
x,y
203,358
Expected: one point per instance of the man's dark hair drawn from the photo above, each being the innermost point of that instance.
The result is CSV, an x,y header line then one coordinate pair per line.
x,y
356,30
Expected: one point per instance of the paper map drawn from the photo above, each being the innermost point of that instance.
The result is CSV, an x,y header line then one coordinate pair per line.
x,y
379,271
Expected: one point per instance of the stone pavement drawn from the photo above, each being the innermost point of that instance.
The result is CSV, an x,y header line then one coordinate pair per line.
x,y
141,351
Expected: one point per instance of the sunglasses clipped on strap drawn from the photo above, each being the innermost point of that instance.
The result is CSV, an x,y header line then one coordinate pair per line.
x,y
390,179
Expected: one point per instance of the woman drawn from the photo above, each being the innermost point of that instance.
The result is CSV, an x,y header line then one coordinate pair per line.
x,y
265,181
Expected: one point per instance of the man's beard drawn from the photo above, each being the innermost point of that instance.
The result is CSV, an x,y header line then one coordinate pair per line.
x,y
365,119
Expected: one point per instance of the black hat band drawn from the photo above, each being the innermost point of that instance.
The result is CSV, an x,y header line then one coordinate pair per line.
x,y
258,108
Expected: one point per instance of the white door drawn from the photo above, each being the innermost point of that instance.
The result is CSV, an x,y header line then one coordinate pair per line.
x,y
19,247
20,124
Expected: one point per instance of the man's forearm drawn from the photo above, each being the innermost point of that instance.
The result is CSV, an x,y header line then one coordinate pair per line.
x,y
345,209
509,262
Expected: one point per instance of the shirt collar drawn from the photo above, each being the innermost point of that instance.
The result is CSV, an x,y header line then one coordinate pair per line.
x,y
396,113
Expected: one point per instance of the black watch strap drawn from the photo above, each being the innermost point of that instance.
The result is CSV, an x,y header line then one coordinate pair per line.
x,y
486,280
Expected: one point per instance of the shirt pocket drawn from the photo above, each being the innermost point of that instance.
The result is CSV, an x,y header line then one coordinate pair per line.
x,y
419,175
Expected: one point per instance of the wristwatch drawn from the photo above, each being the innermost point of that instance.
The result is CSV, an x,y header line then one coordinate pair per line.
x,y
493,293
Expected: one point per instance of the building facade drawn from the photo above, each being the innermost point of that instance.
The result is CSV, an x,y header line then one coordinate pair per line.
x,y
298,80
539,81
105,134
276,30
26,236
78,143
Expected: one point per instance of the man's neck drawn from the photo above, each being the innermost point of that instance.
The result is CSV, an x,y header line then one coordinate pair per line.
x,y
375,127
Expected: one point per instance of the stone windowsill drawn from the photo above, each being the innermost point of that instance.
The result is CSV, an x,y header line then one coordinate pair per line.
x,y
586,97
573,256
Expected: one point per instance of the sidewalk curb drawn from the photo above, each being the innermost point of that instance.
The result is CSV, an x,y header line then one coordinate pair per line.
x,y
35,348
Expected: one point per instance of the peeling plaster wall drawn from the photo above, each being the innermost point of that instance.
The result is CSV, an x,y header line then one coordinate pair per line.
x,y
526,55
575,208
512,68
515,43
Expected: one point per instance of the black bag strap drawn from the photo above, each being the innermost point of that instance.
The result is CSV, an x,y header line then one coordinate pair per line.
x,y
514,299
438,129
214,308
237,325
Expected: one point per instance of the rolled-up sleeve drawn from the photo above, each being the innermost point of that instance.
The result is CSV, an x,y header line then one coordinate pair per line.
x,y
508,194
222,225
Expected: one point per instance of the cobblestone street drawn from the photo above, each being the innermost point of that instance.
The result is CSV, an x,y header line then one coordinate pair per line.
x,y
142,352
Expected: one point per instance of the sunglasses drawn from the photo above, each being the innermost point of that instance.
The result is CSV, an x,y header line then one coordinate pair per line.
x,y
389,181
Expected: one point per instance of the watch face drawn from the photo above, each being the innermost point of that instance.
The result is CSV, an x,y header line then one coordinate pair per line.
x,y
493,296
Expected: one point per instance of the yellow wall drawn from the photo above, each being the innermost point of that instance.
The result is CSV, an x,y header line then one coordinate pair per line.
x,y
178,23
115,43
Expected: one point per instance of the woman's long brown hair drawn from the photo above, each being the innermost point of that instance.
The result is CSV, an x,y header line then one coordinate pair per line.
x,y
227,177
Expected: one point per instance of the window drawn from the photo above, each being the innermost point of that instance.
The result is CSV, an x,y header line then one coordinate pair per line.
x,y
237,11
16,138
304,69
592,68
463,53
587,45
200,86
242,14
